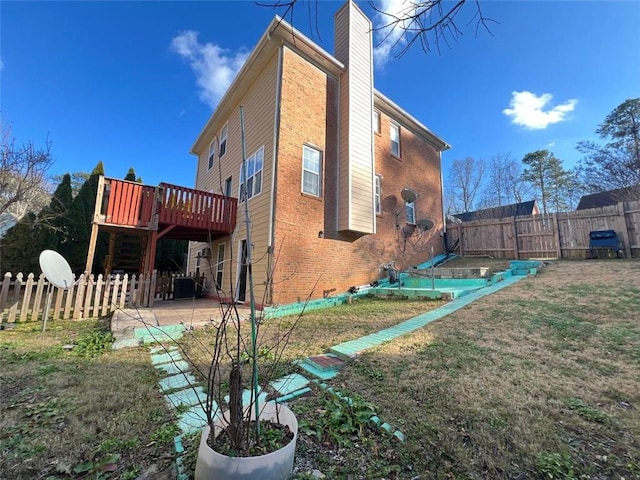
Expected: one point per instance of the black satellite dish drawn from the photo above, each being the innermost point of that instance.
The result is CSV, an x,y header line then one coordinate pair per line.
x,y
408,195
424,224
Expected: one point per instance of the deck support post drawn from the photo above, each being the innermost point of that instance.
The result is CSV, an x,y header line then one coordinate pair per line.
x,y
92,247
150,255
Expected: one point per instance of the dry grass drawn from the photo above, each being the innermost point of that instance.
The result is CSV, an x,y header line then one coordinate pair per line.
x,y
284,340
61,411
541,378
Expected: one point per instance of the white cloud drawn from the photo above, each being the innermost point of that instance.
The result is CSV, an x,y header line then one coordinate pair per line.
x,y
214,67
390,37
528,110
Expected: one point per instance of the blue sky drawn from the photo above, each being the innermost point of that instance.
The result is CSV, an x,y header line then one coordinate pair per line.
x,y
132,83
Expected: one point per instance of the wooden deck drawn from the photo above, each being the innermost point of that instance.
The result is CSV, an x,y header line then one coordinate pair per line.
x,y
165,211
180,212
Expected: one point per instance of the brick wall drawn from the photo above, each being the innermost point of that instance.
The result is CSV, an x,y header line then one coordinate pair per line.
x,y
330,265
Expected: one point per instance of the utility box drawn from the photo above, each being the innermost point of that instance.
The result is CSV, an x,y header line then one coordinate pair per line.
x,y
184,288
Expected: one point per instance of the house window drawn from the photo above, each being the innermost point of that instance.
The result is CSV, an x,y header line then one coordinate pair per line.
x,y
223,139
253,184
376,121
377,195
311,171
410,209
212,154
220,266
394,132
227,187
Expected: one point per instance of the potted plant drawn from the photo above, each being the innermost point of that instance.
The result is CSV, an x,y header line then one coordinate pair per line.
x,y
246,435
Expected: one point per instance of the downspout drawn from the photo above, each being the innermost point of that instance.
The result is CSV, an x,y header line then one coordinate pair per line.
x,y
274,176
444,218
338,132
189,251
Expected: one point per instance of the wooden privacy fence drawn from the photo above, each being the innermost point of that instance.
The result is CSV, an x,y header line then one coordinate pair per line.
x,y
24,298
556,235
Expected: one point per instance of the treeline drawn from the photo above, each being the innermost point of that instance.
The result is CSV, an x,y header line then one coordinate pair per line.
x,y
64,225
475,184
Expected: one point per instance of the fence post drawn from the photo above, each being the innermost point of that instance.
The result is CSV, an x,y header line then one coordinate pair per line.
x,y
557,227
4,290
516,249
624,230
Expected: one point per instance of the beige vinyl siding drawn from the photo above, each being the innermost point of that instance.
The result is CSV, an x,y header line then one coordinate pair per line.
x,y
356,168
258,109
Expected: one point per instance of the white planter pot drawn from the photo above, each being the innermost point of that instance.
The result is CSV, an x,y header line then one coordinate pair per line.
x,y
277,465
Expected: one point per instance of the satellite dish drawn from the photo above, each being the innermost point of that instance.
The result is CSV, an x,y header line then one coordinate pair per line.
x,y
424,224
56,269
408,195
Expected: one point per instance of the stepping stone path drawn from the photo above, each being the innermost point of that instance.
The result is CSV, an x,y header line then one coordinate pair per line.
x,y
185,396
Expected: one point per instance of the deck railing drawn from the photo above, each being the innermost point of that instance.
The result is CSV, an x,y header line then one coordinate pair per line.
x,y
128,203
195,208
131,204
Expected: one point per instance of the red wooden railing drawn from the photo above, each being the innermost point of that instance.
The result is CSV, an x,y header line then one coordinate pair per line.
x,y
134,205
195,208
129,203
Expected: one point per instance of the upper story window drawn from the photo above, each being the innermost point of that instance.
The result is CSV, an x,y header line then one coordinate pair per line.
x,y
410,210
252,185
394,133
311,171
212,154
223,139
376,121
377,195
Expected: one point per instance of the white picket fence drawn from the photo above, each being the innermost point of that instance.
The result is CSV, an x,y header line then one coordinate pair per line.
x,y
24,299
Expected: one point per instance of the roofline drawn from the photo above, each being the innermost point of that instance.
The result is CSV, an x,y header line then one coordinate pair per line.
x,y
410,121
278,33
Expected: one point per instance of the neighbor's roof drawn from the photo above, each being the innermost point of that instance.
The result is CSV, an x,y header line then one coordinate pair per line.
x,y
513,210
611,197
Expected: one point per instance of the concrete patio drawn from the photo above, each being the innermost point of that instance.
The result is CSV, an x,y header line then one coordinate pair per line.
x,y
130,326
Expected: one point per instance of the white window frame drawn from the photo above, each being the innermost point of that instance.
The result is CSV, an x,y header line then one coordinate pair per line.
x,y
377,194
393,127
254,176
376,121
228,185
220,266
212,154
223,139
308,171
410,212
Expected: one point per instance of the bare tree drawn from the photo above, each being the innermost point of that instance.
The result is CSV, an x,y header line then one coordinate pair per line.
x,y
23,174
429,23
616,164
465,178
505,185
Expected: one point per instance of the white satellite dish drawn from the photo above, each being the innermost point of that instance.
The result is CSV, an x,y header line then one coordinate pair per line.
x,y
58,272
408,195
424,224
56,269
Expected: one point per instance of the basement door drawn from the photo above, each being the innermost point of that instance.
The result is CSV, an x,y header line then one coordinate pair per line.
x,y
241,290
